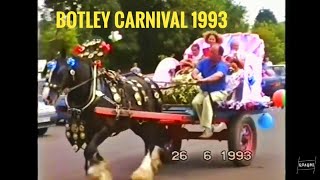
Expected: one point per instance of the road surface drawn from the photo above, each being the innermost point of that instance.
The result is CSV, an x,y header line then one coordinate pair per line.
x,y
57,160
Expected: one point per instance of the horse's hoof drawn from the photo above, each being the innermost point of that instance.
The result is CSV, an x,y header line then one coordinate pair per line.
x,y
156,164
142,174
100,171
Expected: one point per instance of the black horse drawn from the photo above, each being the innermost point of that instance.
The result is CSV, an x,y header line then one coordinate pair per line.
x,y
88,87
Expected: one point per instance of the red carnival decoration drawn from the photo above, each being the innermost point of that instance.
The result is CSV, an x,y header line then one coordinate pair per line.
x,y
106,48
78,50
98,63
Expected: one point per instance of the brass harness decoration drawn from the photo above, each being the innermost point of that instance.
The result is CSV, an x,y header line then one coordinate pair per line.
x,y
75,130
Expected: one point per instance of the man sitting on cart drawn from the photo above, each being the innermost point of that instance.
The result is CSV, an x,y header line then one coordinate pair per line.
x,y
212,81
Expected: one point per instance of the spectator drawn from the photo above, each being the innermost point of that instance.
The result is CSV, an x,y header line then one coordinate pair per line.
x,y
135,68
267,62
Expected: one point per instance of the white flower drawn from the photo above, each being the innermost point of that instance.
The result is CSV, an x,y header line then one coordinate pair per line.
x,y
115,36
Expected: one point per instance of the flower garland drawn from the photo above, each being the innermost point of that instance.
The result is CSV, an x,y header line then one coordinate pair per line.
x,y
182,93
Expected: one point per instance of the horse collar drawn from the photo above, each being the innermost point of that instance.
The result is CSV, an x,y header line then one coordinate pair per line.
x,y
75,113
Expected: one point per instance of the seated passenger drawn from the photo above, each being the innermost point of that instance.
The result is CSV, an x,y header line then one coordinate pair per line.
x,y
213,85
195,54
186,66
235,53
211,38
234,79
165,71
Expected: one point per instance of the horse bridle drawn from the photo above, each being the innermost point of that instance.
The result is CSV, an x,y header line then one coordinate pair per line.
x,y
95,75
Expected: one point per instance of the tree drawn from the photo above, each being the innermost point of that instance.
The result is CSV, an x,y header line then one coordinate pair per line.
x,y
272,35
155,42
145,45
280,31
122,50
265,15
53,40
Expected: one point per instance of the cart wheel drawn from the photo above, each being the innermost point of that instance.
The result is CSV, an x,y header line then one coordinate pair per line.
x,y
242,139
169,148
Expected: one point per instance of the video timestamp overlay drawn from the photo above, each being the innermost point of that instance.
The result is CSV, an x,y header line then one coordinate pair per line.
x,y
207,155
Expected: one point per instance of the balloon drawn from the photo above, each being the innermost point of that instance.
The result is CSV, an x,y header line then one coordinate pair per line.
x,y
278,98
266,121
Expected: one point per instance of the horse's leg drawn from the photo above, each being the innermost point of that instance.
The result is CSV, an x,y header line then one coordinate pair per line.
x,y
137,130
98,168
86,165
151,161
145,170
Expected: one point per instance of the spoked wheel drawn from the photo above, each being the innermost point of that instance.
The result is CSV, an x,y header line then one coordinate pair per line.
x,y
242,140
246,138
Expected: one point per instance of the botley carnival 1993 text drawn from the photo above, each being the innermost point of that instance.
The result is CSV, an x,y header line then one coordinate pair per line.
x,y
139,19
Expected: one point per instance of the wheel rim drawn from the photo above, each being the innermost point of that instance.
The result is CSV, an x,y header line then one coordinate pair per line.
x,y
246,138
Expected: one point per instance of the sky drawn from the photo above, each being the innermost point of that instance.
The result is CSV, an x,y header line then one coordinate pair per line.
x,y
278,7
252,6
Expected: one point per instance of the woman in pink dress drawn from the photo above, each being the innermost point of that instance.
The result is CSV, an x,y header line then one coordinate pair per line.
x,y
210,37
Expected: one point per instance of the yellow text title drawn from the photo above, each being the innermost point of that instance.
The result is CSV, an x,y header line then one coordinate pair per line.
x,y
138,19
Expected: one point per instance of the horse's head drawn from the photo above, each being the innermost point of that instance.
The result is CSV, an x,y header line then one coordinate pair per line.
x,y
76,75
55,80
64,74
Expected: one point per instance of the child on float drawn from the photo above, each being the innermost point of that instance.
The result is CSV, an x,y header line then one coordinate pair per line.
x,y
234,79
204,43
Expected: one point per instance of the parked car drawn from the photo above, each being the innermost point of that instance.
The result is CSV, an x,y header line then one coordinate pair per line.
x,y
62,114
275,81
45,112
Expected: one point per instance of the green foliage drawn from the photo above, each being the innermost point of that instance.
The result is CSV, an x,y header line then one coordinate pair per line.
x,y
266,16
53,40
280,31
183,93
145,45
155,42
124,52
273,36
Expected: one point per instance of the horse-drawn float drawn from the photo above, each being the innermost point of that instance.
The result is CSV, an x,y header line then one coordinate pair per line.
x,y
103,103
240,129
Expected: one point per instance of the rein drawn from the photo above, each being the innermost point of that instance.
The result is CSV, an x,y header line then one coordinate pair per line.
x,y
95,92
94,77
67,90
176,84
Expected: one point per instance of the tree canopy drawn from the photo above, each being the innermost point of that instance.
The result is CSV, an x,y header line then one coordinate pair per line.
x,y
273,34
266,16
145,45
52,40
274,40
